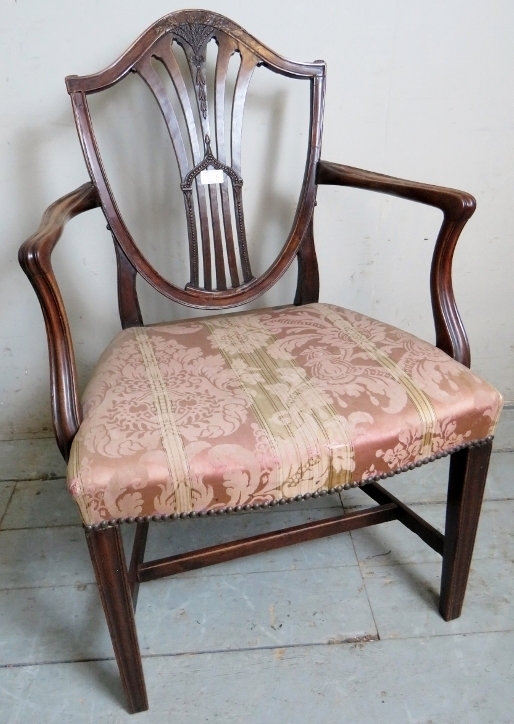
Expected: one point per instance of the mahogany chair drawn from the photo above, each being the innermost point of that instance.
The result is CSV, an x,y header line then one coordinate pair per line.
x,y
244,411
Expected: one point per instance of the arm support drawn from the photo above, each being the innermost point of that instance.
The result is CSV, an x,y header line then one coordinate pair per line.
x,y
35,259
457,207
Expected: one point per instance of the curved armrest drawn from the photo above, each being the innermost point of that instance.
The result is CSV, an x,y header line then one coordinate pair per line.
x,y
35,259
457,207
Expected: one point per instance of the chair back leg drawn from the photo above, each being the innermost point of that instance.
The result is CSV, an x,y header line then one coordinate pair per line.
x,y
106,549
137,558
468,472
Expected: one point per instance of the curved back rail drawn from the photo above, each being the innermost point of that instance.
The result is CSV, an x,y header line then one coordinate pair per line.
x,y
214,212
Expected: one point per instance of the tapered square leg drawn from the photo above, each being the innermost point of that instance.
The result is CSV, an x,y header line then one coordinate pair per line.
x,y
107,555
468,473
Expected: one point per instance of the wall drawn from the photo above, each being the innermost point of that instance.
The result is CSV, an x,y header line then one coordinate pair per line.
x,y
420,90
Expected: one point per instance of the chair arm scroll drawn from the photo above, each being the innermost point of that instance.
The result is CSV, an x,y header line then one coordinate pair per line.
x,y
35,259
457,208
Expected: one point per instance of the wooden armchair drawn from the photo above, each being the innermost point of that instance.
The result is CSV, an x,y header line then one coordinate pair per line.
x,y
244,411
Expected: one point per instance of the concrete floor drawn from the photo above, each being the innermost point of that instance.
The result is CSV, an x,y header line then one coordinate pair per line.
x,y
344,629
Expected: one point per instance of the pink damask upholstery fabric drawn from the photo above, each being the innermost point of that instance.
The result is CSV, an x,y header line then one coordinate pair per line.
x,y
254,407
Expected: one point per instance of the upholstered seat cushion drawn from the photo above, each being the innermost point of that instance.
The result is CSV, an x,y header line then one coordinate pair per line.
x,y
251,408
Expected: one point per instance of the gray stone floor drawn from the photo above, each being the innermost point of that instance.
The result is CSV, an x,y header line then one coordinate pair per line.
x,y
344,629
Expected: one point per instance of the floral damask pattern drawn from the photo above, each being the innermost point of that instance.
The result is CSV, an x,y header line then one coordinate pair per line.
x,y
252,407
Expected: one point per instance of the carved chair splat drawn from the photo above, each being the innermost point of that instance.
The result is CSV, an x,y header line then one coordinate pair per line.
x,y
221,277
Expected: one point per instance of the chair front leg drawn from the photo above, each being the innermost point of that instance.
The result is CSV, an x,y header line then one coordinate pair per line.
x,y
468,473
107,555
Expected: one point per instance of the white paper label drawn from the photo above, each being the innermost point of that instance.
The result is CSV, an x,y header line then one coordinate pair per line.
x,y
211,176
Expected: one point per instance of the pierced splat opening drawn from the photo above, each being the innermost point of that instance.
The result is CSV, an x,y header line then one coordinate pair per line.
x,y
210,161
203,112
213,225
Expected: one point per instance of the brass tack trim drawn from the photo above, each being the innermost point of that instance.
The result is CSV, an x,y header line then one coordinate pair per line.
x,y
284,501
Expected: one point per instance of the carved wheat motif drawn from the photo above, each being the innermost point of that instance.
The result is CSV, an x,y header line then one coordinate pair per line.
x,y
196,30
194,27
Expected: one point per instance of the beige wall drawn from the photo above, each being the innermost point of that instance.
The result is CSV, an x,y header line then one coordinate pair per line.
x,y
421,90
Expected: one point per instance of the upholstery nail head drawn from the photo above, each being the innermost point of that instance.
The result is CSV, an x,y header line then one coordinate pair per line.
x,y
112,522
